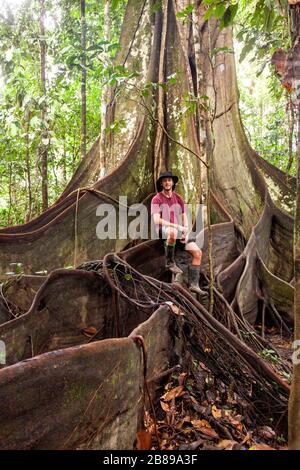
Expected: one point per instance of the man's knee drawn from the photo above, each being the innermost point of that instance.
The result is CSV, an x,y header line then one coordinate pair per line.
x,y
172,234
197,254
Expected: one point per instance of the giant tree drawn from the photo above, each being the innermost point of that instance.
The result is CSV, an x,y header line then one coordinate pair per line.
x,y
172,57
176,101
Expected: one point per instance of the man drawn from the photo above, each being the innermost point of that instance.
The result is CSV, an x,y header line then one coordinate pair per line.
x,y
171,222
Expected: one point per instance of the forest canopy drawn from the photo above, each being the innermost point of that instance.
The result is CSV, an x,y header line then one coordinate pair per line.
x,y
37,118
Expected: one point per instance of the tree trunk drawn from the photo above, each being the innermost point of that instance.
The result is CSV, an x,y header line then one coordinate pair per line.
x,y
43,147
294,77
28,171
104,94
294,403
247,191
83,79
291,128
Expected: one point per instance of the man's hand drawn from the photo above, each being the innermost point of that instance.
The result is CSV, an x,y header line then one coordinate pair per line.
x,y
184,231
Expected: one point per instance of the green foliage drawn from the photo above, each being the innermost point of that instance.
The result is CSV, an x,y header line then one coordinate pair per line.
x,y
183,14
225,11
263,103
270,355
263,109
21,100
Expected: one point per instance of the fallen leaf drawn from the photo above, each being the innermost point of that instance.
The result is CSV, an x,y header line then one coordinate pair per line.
x,y
174,393
200,423
143,440
177,310
266,432
208,432
247,438
89,331
216,412
165,406
226,444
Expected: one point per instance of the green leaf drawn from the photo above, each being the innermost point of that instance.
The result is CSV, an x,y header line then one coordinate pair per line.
x,y
184,13
172,79
210,2
35,121
247,48
269,17
114,4
219,11
229,15
269,4
240,35
255,21
13,129
209,12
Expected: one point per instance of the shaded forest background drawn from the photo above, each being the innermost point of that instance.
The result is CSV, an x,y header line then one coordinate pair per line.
x,y
47,123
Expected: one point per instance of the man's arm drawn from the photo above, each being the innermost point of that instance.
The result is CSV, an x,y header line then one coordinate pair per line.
x,y
185,221
159,221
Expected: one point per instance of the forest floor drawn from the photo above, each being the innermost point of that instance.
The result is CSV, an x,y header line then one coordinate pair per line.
x,y
196,411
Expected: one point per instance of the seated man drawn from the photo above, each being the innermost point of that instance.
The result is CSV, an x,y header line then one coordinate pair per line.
x,y
170,219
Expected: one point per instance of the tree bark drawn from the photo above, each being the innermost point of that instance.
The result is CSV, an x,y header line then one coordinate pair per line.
x,y
28,172
294,76
104,94
43,148
83,79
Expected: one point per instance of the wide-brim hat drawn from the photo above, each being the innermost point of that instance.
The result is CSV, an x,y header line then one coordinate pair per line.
x,y
166,174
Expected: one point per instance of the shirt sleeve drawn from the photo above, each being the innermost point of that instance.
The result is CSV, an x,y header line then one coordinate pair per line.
x,y
155,205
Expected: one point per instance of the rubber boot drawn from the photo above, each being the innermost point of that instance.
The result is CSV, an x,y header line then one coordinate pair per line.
x,y
193,281
170,259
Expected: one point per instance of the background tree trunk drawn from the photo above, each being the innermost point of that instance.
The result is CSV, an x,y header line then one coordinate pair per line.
x,y
294,75
83,79
104,95
43,148
28,171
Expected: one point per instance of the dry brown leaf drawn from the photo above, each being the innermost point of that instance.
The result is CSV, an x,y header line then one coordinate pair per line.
x,y
266,432
89,331
226,444
247,438
174,393
216,412
200,423
143,440
208,432
177,310
187,419
165,406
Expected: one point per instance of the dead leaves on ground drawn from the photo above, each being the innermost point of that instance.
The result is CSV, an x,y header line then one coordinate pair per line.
x,y
196,411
